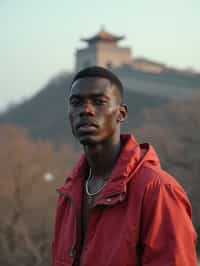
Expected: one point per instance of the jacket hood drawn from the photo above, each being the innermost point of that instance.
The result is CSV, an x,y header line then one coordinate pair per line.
x,y
131,158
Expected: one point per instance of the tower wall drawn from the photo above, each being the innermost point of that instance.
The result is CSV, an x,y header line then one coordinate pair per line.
x,y
103,54
111,55
86,57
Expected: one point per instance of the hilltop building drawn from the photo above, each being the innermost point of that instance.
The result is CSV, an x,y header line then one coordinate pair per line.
x,y
103,50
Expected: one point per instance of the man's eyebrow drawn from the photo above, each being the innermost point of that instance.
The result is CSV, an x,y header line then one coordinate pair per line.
x,y
99,95
75,96
92,95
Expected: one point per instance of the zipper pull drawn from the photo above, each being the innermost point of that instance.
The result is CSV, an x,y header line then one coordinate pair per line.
x,y
73,252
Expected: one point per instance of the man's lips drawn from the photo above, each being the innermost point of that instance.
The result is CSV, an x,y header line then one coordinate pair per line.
x,y
86,125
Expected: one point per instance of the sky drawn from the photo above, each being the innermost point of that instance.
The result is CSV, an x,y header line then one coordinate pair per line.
x,y
38,39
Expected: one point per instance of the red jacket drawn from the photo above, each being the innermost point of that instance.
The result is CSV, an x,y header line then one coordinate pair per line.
x,y
142,216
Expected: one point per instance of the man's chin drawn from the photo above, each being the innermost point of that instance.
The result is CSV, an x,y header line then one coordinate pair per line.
x,y
87,141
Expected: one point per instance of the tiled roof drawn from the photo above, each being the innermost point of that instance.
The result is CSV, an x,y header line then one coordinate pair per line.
x,y
103,35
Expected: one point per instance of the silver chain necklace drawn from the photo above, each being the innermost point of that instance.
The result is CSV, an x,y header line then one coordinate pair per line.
x,y
87,185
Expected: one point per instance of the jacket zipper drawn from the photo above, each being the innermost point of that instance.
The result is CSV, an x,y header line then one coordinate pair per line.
x,y
82,248
95,205
74,248
85,239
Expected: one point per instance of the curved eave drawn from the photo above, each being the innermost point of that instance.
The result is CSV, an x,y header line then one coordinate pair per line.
x,y
99,39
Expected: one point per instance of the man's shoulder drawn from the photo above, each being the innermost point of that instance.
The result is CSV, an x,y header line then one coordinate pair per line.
x,y
152,183
150,175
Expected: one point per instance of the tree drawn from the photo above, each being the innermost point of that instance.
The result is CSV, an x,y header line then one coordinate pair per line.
x,y
30,172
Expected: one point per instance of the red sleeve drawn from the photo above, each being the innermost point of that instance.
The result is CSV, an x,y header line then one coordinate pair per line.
x,y
168,234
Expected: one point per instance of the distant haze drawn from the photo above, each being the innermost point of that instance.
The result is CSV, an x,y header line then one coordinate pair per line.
x,y
38,38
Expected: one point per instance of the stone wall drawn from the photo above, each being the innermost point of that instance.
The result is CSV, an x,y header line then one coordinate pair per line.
x,y
113,56
86,57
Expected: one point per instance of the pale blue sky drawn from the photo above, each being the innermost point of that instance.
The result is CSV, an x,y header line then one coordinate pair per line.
x,y
38,38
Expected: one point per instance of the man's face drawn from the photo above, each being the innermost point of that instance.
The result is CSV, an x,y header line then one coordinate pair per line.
x,y
94,110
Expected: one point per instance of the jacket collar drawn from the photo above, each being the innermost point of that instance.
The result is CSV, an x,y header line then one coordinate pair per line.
x,y
130,160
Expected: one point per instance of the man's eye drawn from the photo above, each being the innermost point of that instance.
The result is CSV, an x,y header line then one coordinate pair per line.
x,y
100,101
75,102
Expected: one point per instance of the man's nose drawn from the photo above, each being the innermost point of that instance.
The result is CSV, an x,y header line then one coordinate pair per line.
x,y
87,108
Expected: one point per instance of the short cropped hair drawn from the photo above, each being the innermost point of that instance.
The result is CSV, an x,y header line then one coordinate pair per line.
x,y
97,71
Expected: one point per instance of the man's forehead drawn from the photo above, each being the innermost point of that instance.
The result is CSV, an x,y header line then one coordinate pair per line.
x,y
90,85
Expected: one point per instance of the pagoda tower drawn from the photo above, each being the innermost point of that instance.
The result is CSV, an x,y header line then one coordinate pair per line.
x,y
103,50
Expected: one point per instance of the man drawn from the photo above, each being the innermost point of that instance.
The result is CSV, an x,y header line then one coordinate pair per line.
x,y
117,207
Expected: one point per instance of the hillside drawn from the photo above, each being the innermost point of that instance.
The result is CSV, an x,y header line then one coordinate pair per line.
x,y
45,114
172,126
170,83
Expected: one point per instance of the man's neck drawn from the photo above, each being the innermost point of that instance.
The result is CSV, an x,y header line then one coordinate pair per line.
x,y
102,157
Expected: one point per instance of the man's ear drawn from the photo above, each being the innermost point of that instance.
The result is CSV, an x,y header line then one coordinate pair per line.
x,y
123,113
